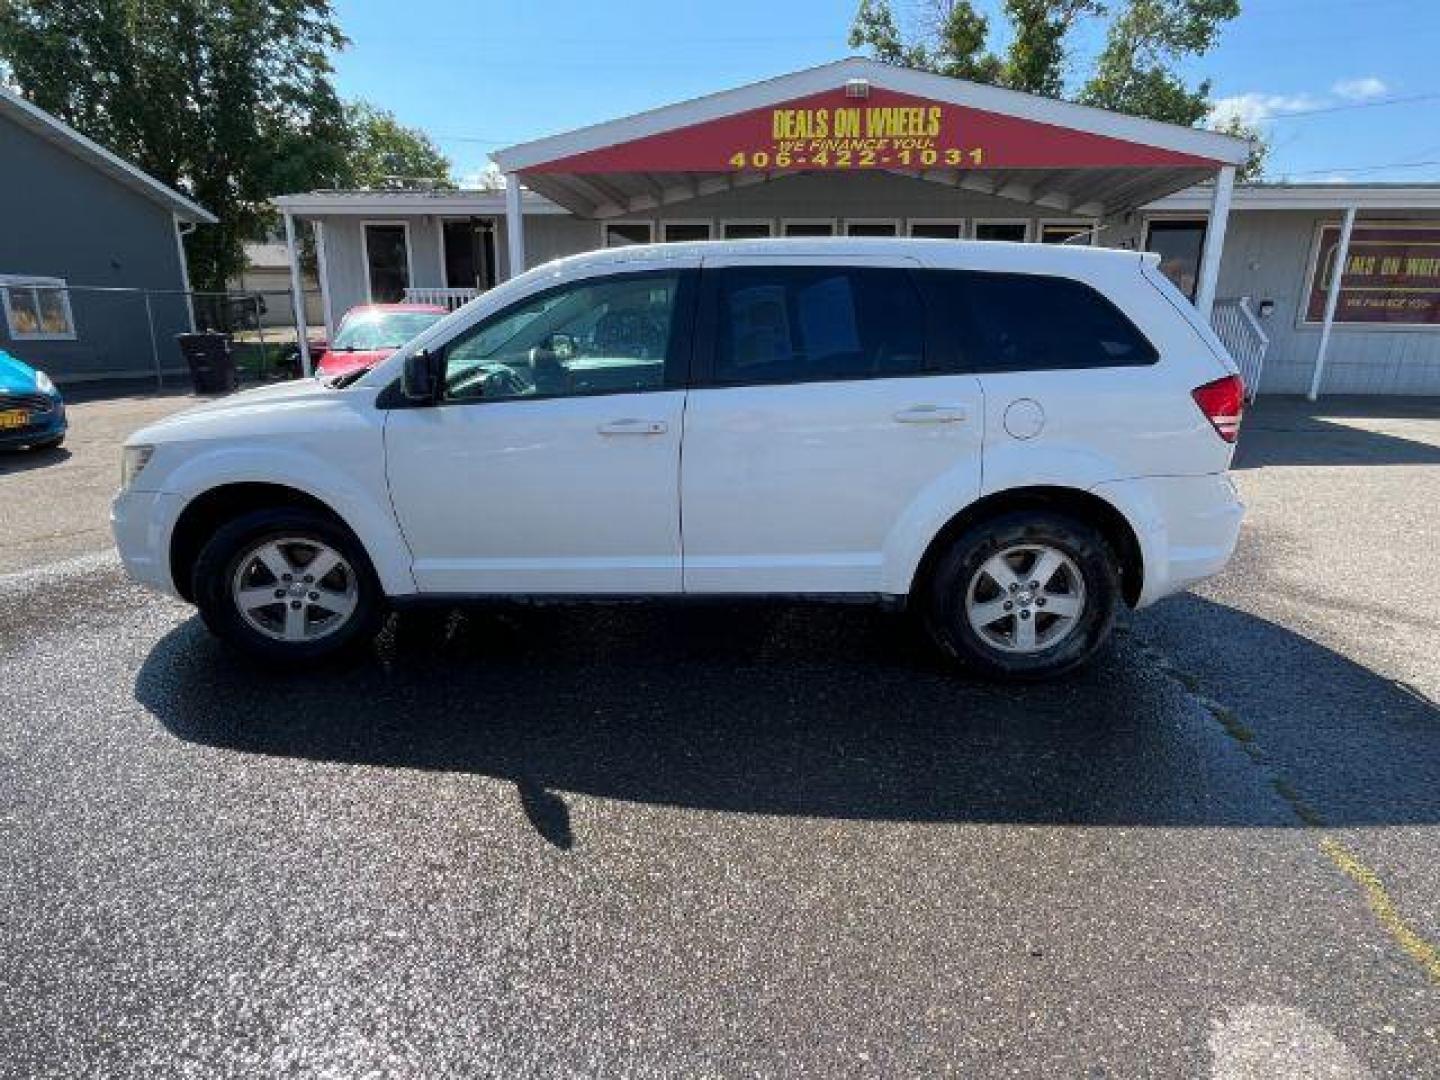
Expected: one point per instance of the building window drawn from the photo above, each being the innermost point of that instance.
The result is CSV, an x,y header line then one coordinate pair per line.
x,y
938,229
625,233
872,227
1067,232
1180,245
745,230
815,227
469,253
387,261
1015,231
674,232
37,309
1391,275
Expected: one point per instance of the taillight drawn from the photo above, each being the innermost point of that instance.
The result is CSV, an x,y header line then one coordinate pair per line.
x,y
1222,401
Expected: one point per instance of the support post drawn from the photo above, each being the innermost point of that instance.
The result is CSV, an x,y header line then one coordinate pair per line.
x,y
324,273
154,345
1215,240
297,294
1332,297
180,233
514,225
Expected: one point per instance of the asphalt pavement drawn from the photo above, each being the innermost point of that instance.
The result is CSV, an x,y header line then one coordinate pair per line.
x,y
751,840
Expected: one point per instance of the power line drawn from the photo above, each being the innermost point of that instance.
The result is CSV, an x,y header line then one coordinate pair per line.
x,y
1412,99
1360,168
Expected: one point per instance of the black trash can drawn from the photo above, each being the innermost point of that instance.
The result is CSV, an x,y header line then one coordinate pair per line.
x,y
212,365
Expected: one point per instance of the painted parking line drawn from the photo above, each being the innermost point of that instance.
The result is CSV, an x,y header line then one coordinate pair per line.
x,y
1420,950
1417,947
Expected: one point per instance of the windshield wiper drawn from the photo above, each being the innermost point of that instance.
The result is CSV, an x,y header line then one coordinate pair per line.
x,y
339,382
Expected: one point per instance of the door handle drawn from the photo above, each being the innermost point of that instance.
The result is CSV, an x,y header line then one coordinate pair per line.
x,y
931,414
633,427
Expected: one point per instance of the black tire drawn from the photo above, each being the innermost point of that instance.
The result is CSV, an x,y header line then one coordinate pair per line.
x,y
49,444
219,561
957,568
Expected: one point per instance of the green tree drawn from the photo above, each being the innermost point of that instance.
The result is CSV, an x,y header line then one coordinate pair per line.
x,y
1254,165
874,28
1035,60
1136,71
383,153
960,52
230,101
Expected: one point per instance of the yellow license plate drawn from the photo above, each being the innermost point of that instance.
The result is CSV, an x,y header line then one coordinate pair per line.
x,y
13,418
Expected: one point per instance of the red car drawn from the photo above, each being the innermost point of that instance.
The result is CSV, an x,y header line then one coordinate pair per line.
x,y
371,332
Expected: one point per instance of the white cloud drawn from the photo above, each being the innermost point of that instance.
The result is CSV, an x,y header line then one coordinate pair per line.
x,y
1254,108
1362,89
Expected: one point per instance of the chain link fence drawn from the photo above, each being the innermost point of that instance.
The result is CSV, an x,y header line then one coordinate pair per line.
x,y
127,337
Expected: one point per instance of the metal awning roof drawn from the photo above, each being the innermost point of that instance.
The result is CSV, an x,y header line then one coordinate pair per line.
x,y
1082,192
1372,197
986,139
457,203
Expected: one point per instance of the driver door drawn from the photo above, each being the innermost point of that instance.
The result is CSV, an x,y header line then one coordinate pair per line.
x,y
551,463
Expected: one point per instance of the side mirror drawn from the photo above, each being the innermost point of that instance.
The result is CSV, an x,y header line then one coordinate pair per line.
x,y
420,380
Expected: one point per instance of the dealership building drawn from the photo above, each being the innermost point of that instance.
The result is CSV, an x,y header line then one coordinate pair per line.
x,y
860,148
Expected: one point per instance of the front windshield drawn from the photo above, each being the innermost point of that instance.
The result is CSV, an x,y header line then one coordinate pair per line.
x,y
382,329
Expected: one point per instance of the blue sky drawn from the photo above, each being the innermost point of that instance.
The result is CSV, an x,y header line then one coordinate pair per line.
x,y
478,75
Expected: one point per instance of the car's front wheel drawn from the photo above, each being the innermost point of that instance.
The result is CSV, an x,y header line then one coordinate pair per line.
x,y
287,585
1028,595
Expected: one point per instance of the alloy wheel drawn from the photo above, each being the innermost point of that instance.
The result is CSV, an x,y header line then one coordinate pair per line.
x,y
1025,598
295,589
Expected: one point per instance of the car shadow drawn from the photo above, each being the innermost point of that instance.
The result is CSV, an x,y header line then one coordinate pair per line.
x,y
1334,431
19,461
842,712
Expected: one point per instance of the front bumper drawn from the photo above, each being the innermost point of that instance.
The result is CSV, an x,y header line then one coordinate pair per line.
x,y
1187,527
50,426
142,522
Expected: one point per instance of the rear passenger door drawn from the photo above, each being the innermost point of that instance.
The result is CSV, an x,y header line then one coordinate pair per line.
x,y
820,433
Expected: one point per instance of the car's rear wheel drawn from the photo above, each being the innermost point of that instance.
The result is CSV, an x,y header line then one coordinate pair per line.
x,y
287,585
1026,596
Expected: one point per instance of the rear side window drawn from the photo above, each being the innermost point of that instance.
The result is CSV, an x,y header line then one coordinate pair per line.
x,y
804,324
1030,322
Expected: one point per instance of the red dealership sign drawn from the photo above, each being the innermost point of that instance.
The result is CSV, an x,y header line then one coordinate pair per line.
x,y
1391,275
885,130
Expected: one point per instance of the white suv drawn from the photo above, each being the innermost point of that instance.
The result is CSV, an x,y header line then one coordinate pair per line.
x,y
1010,440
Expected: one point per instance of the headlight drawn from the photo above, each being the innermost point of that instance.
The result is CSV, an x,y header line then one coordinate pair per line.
x,y
44,385
132,460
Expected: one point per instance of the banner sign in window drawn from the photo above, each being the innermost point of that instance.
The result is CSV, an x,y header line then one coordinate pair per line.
x,y
1391,275
885,130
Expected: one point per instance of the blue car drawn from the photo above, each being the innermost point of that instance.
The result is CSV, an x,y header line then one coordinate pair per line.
x,y
31,412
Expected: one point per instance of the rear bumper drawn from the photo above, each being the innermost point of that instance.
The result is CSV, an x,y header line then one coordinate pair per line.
x,y
141,522
1187,527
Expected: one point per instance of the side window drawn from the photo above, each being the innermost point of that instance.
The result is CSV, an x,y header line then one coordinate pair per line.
x,y
1030,322
802,324
601,335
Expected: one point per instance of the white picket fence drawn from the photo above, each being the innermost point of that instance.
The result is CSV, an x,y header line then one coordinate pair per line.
x,y
446,298
1240,331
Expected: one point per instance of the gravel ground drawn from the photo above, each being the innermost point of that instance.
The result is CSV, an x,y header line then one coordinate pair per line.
x,y
750,840
58,501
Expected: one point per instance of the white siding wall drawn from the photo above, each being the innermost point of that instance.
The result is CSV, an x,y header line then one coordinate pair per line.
x,y
345,258
1267,257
